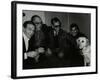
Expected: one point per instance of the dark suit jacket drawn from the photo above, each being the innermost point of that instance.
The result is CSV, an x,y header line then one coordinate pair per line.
x,y
67,45
41,39
30,62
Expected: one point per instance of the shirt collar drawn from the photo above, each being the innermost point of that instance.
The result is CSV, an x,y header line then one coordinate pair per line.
x,y
25,37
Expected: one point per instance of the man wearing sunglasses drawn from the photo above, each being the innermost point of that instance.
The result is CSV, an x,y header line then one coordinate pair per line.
x,y
62,46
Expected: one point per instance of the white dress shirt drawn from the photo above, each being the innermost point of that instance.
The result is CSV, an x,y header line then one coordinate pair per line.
x,y
26,39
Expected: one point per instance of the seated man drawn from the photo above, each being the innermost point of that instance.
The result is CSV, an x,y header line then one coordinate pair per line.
x,y
29,52
62,46
41,40
76,34
75,31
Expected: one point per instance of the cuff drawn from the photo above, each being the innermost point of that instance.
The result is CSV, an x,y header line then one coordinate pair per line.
x,y
25,56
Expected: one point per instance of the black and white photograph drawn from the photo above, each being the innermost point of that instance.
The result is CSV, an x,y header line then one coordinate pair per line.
x,y
53,39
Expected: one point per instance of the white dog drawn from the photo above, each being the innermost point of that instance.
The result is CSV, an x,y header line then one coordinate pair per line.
x,y
84,45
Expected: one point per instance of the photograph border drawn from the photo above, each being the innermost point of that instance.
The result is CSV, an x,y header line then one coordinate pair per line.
x,y
14,41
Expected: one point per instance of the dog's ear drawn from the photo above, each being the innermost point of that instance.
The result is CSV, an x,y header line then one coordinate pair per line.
x,y
87,42
77,40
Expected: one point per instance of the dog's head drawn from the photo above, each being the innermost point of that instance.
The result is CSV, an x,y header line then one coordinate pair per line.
x,y
82,42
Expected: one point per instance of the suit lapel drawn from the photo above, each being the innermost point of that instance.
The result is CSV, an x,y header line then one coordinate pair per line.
x,y
24,47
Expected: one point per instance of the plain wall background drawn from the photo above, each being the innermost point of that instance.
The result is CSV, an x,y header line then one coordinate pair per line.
x,y
5,40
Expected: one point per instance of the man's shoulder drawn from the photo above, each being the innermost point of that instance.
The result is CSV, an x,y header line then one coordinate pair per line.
x,y
64,32
45,27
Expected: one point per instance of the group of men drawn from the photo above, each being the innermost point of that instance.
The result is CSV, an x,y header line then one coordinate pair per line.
x,y
49,46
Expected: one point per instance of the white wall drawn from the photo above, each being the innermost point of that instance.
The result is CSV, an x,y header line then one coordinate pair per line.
x,y
5,40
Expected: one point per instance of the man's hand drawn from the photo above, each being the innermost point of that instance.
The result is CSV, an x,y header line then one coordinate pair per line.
x,y
32,54
49,52
60,55
40,50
